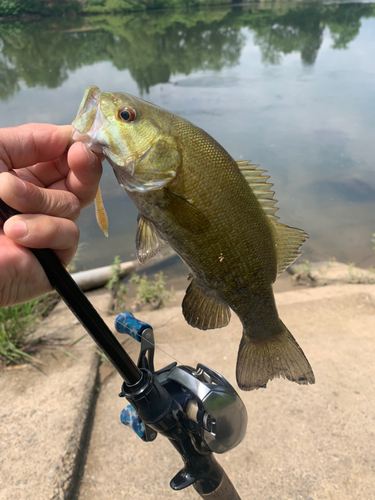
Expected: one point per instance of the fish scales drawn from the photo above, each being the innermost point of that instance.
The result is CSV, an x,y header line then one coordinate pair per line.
x,y
219,217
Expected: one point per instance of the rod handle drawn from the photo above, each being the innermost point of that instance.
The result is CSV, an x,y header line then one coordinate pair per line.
x,y
225,490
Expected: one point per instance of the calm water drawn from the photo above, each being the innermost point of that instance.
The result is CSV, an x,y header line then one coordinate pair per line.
x,y
289,86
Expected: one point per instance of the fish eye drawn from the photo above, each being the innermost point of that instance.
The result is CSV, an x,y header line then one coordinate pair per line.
x,y
127,114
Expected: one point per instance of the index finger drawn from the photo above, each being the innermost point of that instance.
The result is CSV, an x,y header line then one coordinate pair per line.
x,y
25,145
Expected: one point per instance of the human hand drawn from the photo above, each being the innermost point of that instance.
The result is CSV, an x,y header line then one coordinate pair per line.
x,y
49,186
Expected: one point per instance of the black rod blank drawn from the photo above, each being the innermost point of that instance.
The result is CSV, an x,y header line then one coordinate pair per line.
x,y
82,308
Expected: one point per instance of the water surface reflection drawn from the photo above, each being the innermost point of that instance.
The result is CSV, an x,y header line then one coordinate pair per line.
x,y
290,88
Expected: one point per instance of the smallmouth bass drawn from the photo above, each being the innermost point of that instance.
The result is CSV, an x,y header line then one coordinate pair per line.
x,y
217,214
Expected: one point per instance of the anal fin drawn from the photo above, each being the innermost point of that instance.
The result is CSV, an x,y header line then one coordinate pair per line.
x,y
202,311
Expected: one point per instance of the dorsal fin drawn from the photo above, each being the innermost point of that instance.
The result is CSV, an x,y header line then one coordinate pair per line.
x,y
288,239
260,187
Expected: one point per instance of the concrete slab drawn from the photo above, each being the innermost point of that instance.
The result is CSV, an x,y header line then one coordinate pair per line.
x,y
44,410
303,442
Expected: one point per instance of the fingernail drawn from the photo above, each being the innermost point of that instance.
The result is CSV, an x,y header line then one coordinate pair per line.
x,y
17,229
19,187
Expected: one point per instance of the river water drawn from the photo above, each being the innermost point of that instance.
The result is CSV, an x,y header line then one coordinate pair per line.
x,y
290,86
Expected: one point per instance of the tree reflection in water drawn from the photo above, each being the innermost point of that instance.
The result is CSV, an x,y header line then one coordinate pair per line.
x,y
156,45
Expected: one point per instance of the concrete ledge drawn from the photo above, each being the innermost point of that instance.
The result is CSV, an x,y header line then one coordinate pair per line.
x,y
44,413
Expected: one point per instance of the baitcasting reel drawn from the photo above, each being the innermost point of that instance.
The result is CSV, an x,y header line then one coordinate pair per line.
x,y
212,411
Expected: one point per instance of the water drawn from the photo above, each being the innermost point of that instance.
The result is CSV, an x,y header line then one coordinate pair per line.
x,y
289,86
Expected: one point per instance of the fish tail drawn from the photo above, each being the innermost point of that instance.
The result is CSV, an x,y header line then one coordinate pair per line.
x,y
261,360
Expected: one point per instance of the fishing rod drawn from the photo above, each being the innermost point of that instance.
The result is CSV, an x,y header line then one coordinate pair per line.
x,y
195,408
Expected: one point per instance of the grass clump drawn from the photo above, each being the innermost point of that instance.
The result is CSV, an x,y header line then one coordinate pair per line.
x,y
117,288
16,326
306,267
152,292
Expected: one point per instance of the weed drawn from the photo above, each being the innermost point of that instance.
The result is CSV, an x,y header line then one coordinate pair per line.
x,y
331,260
352,276
373,241
306,267
101,355
152,292
116,287
360,276
16,327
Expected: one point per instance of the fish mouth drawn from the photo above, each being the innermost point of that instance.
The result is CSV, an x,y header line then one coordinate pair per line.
x,y
88,121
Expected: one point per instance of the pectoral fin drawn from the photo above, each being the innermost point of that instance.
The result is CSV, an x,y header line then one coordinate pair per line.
x,y
148,240
202,311
101,214
185,214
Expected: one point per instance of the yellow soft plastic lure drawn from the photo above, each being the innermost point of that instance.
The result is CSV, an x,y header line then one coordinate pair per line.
x,y
101,214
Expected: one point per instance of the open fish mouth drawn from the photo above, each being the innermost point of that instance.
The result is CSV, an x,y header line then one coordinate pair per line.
x,y
89,120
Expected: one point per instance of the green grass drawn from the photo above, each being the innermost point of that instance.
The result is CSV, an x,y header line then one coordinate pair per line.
x,y
17,325
306,267
152,292
117,288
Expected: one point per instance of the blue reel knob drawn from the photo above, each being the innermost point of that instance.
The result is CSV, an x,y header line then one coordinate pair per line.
x,y
127,323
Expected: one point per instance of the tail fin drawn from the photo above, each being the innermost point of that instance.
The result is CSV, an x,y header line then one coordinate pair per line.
x,y
261,360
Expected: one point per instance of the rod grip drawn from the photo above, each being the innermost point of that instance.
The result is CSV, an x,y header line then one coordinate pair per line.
x,y
225,490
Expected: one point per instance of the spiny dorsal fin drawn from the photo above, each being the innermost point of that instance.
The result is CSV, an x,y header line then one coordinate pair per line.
x,y
288,239
101,214
148,240
260,187
203,311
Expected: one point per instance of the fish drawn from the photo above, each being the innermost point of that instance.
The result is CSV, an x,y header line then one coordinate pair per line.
x,y
216,213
